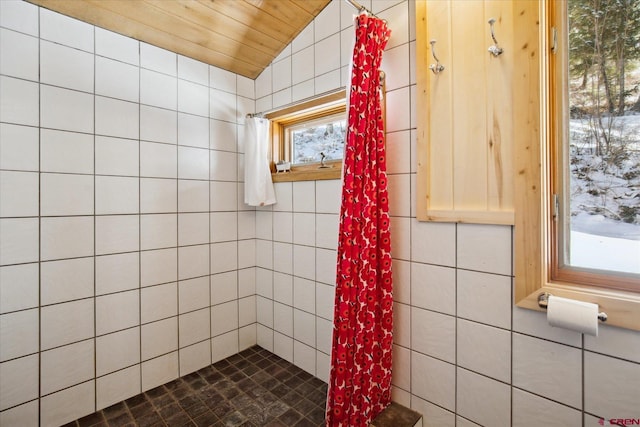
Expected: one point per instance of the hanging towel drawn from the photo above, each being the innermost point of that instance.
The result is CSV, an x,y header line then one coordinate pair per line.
x,y
258,187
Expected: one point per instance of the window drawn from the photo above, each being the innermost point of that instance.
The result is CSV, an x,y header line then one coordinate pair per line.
x,y
561,172
309,138
595,142
318,140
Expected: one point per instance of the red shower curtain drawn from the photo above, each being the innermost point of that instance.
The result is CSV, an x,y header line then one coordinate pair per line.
x,y
360,379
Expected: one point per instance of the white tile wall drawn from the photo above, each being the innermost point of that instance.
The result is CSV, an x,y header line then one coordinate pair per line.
x,y
157,59
158,195
456,329
195,357
160,370
193,196
66,323
194,327
433,287
193,261
19,333
159,338
158,90
117,233
19,286
194,71
117,311
68,152
610,386
62,407
117,195
19,55
18,147
116,118
484,349
20,381
117,386
193,294
18,195
158,125
19,101
548,369
433,334
530,410
65,30
66,366
193,130
66,109
144,101
65,194
116,46
20,240
434,380
158,266
224,288
66,280
19,16
192,98
482,400
66,67
158,302
117,351
117,272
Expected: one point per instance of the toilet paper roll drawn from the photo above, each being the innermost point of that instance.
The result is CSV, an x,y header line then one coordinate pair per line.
x,y
575,315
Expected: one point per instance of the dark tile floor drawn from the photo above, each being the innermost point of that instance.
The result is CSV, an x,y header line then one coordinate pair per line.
x,y
254,388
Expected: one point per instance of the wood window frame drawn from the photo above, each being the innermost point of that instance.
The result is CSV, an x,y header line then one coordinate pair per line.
x,y
323,106
535,107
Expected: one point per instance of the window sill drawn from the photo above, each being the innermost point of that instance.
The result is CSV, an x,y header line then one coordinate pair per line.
x,y
309,173
621,307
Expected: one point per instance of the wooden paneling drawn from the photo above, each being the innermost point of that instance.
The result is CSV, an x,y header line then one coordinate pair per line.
x,y
242,36
465,123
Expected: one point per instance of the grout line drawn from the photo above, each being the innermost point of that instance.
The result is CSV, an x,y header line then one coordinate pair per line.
x,y
455,372
139,216
582,378
39,225
95,299
209,275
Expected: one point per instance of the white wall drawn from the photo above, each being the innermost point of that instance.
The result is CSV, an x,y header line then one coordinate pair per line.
x,y
464,355
124,262
126,254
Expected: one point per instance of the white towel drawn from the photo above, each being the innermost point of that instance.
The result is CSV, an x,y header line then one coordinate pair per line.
x,y
258,187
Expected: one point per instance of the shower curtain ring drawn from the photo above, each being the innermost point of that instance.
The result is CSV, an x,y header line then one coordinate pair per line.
x,y
437,67
494,49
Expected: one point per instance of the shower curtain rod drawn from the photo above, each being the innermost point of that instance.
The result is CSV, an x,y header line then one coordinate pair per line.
x,y
358,6
293,104
262,114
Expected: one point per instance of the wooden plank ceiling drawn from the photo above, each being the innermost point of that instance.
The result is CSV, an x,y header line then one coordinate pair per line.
x,y
242,36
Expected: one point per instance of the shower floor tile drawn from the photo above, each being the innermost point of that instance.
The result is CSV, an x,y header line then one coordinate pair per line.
x,y
254,388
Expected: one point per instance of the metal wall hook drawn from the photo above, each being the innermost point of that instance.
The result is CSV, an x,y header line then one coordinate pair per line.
x,y
495,50
437,67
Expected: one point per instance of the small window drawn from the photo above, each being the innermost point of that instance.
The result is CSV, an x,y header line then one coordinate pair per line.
x,y
317,140
308,139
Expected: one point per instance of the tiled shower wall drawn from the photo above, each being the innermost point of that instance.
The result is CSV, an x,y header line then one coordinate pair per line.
x,y
72,142
127,255
464,355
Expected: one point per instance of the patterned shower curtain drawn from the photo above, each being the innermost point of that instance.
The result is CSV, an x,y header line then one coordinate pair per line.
x,y
360,379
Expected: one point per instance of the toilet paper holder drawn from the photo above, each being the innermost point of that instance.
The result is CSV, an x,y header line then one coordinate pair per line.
x,y
543,301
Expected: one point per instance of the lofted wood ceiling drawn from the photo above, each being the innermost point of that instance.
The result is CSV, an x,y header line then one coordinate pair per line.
x,y
242,36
